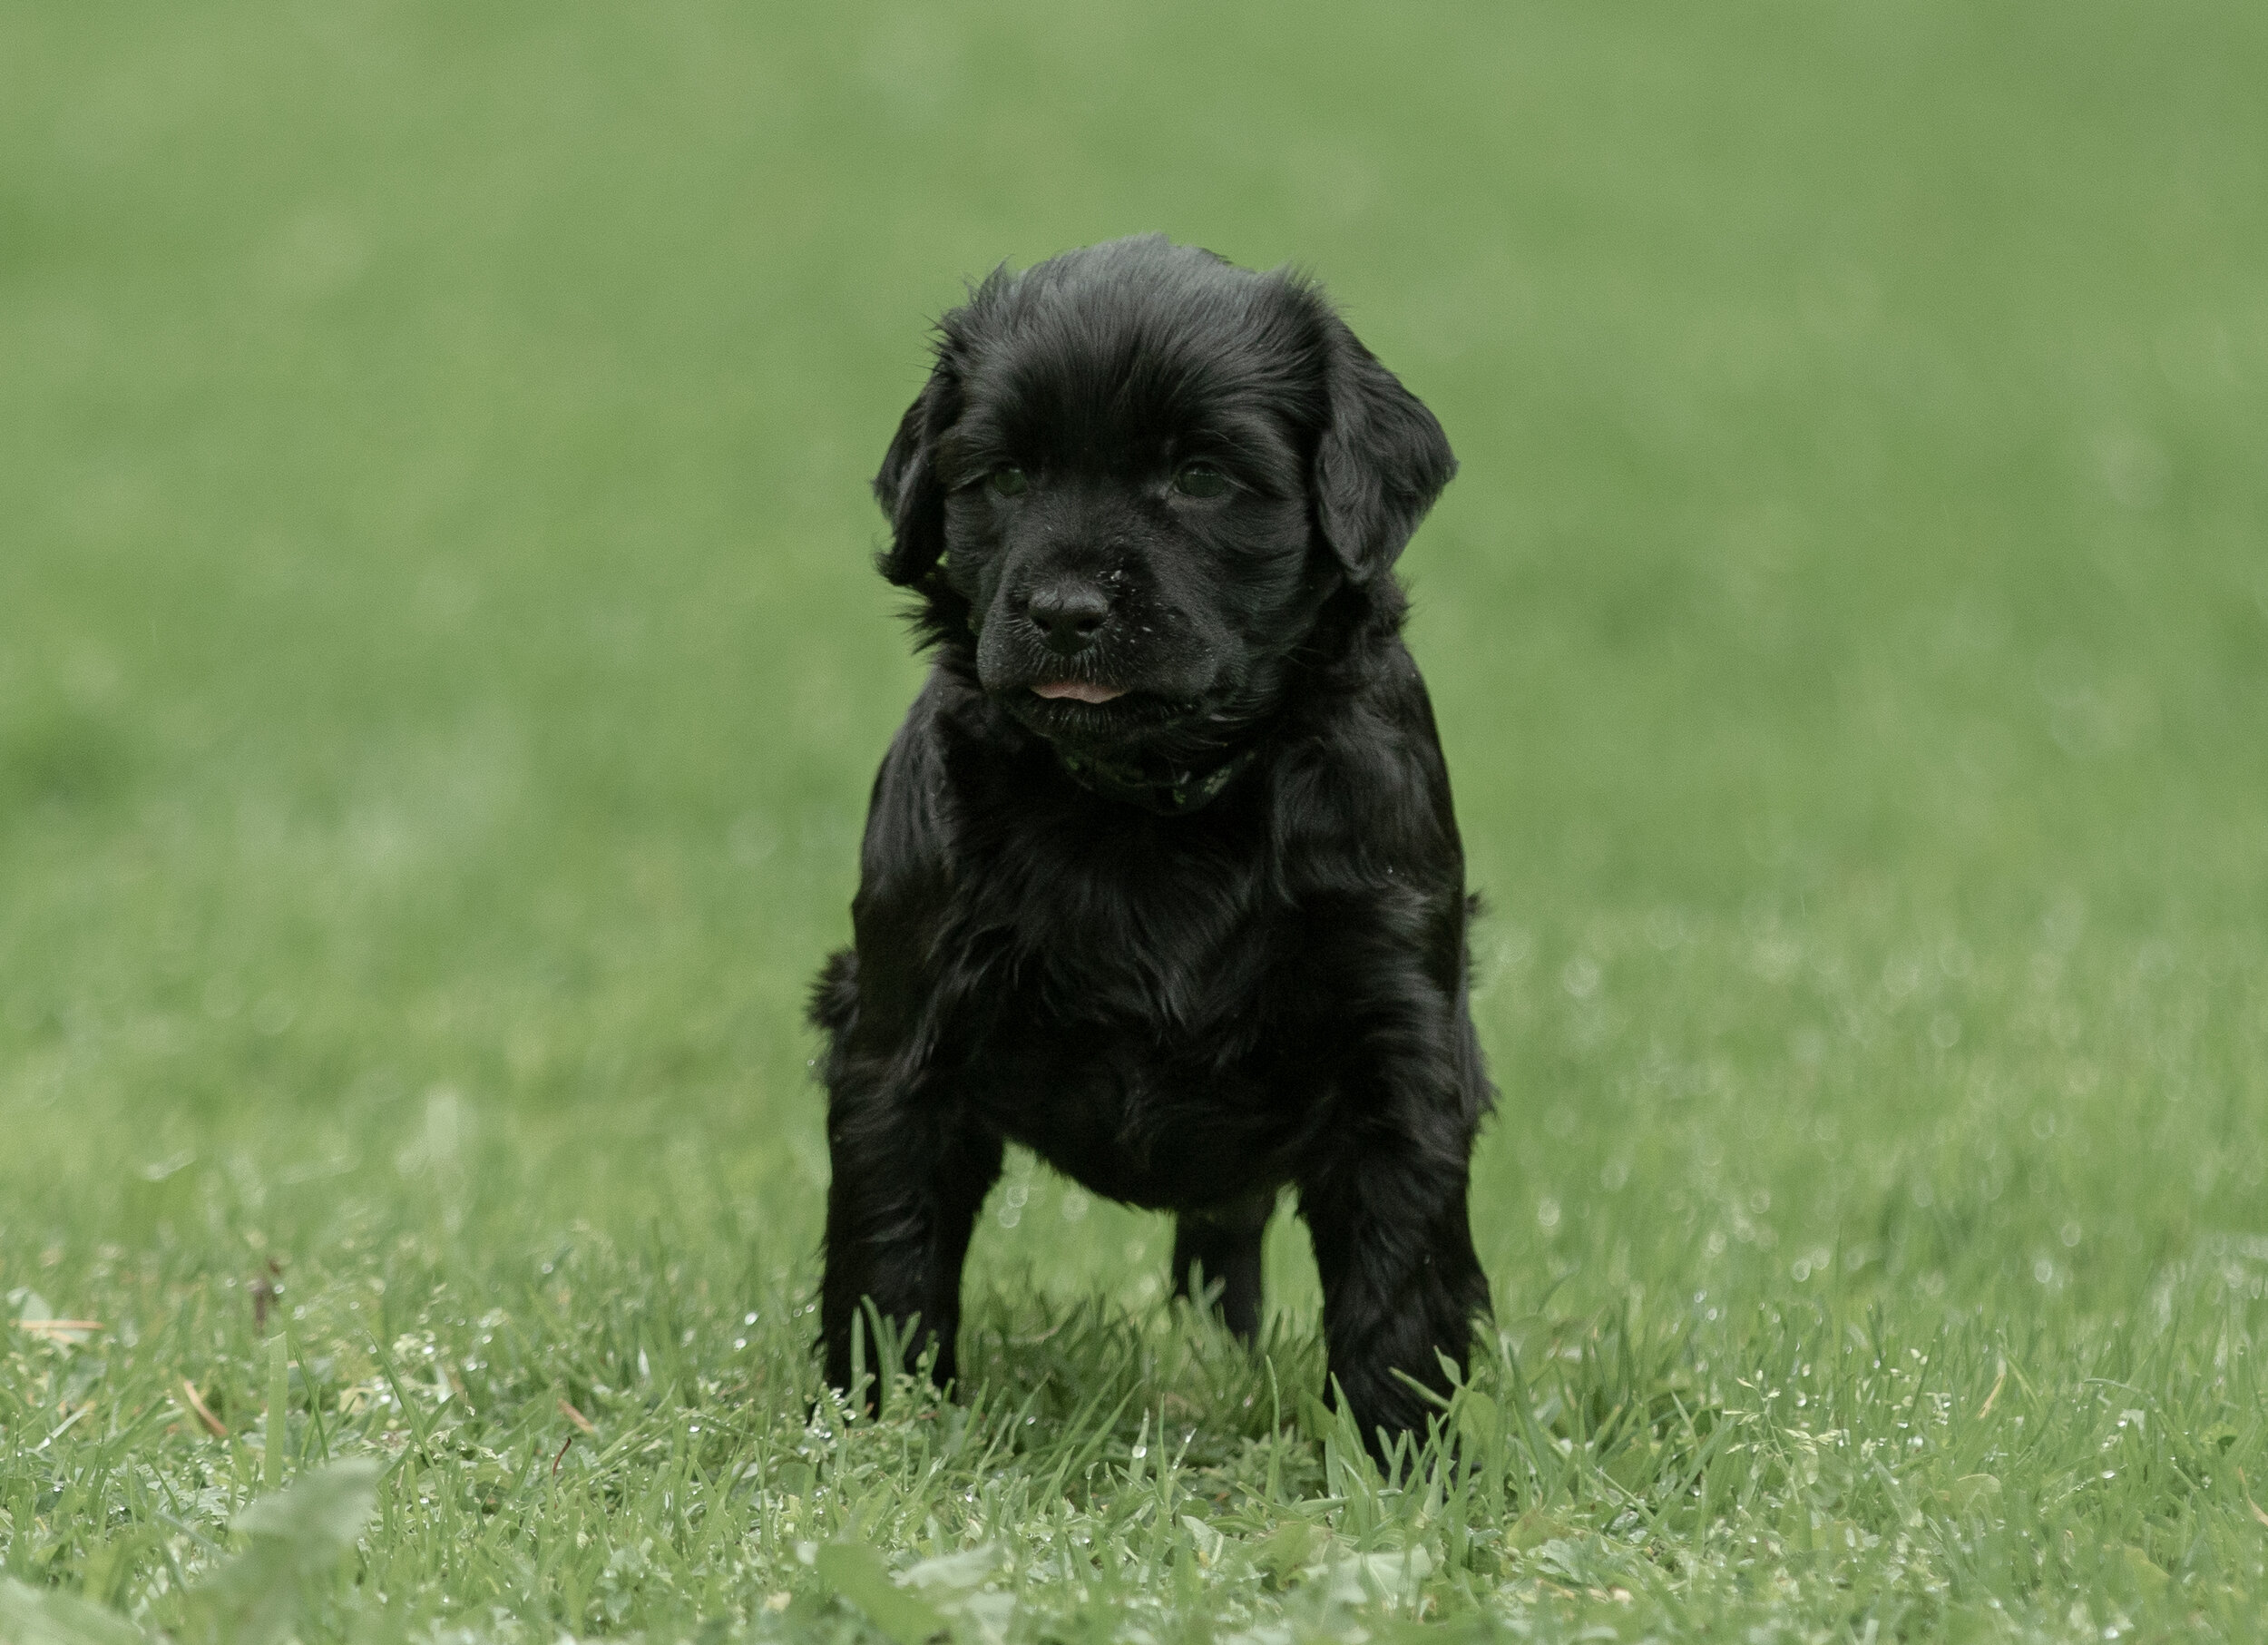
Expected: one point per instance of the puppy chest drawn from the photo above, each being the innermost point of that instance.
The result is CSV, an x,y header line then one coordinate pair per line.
x,y
1133,1119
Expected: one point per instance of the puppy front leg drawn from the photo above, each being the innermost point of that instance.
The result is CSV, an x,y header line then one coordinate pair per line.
x,y
1400,1282
909,1178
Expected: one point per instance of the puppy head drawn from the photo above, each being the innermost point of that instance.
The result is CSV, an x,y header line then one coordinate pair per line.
x,y
1134,478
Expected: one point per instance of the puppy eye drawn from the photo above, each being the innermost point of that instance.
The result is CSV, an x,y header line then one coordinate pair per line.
x,y
1007,482
1201,480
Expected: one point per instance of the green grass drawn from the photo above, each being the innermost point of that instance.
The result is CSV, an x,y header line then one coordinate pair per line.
x,y
440,675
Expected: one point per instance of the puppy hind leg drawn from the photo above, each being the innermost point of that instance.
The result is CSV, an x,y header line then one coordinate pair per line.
x,y
1221,1249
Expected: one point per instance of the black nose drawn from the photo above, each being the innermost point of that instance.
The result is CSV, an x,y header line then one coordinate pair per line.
x,y
1069,616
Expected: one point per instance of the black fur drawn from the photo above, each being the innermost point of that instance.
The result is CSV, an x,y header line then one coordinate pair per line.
x,y
1202,941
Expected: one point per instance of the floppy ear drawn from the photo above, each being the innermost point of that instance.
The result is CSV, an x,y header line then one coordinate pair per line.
x,y
908,488
1382,461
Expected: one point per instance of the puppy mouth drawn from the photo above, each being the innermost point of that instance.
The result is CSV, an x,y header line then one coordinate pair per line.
x,y
1078,691
1089,714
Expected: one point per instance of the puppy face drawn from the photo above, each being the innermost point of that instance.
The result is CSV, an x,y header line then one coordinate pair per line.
x,y
1135,476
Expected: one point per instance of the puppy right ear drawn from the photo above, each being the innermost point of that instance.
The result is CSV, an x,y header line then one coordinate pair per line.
x,y
908,487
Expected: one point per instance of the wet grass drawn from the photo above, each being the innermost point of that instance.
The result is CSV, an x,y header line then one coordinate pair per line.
x,y
439,677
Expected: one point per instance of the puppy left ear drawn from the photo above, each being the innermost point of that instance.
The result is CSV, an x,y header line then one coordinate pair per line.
x,y
1382,460
908,488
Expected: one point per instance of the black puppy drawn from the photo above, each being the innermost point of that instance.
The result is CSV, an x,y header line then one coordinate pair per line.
x,y
1161,876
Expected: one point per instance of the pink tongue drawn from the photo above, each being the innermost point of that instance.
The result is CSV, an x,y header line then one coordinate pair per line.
x,y
1078,691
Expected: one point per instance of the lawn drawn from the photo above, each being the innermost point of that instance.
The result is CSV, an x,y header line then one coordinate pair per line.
x,y
441,671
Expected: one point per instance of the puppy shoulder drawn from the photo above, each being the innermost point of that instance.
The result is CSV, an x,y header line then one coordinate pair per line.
x,y
1370,757
909,823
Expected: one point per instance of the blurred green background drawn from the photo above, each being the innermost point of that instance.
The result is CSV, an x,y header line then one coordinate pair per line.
x,y
440,668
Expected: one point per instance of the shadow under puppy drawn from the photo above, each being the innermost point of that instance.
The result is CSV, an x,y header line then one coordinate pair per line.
x,y
1161,876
